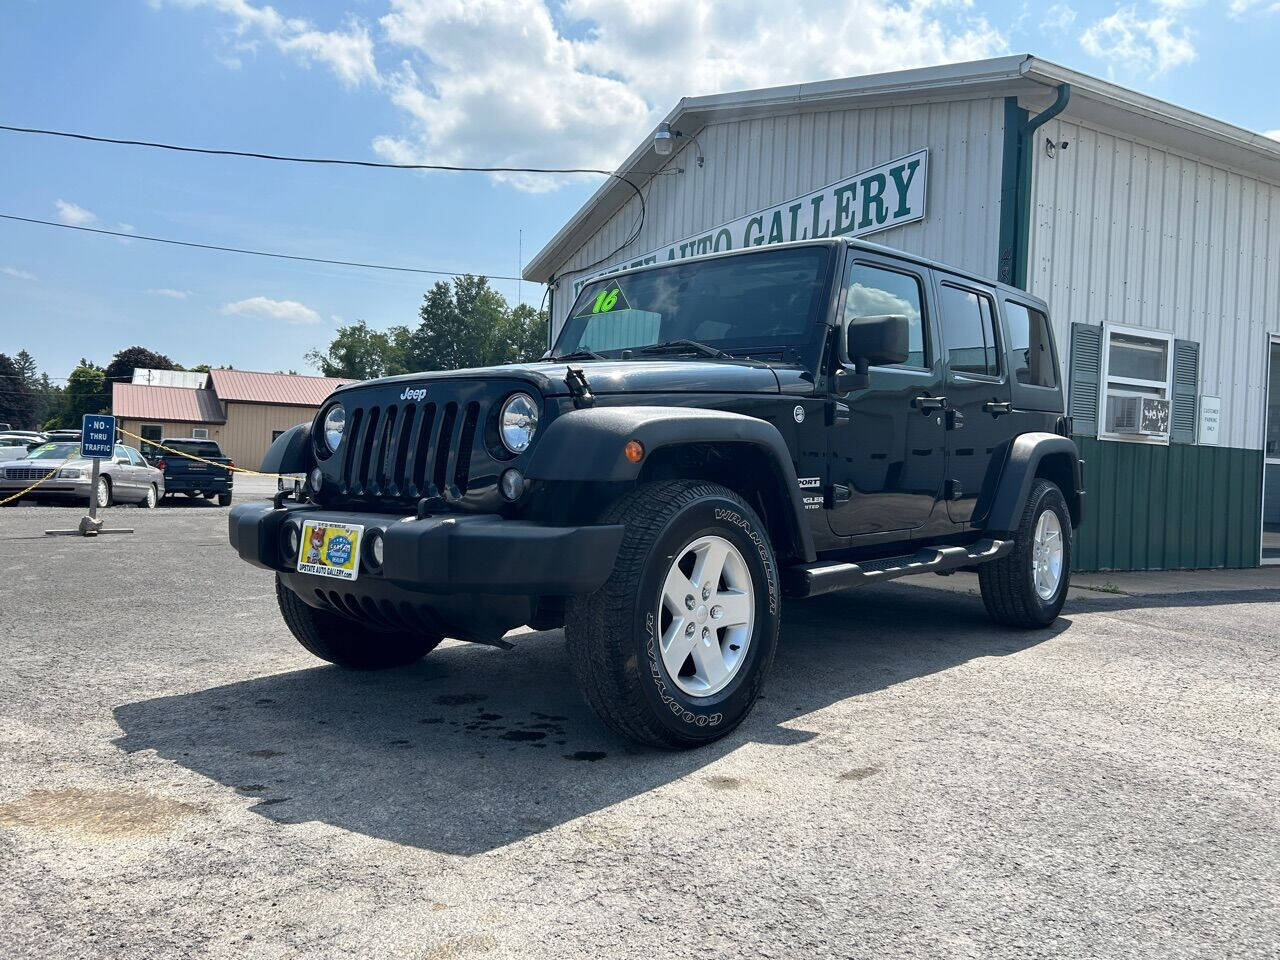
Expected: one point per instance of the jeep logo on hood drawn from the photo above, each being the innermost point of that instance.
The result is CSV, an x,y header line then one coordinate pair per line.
x,y
413,393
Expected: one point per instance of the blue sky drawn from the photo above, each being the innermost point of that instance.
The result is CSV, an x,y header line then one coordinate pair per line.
x,y
482,81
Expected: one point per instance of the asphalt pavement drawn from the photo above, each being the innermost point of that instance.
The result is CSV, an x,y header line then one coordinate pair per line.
x,y
178,778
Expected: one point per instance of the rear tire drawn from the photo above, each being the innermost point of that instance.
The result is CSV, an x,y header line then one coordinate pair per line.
x,y
1023,589
151,499
224,499
695,572
348,643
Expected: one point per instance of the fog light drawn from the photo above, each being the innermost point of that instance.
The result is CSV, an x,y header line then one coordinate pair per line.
x,y
375,549
316,478
512,484
291,535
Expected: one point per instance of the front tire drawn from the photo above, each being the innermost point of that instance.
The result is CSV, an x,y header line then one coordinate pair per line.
x,y
1028,587
673,650
348,643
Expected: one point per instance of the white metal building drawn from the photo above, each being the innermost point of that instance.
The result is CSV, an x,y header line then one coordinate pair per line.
x,y
1152,231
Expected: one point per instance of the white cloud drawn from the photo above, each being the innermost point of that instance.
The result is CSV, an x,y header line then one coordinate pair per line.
x,y
290,311
1058,17
169,293
578,83
73,213
506,82
347,52
18,274
1134,45
1273,134
1239,8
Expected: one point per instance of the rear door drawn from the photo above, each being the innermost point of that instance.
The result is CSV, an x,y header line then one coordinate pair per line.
x,y
124,476
976,387
886,449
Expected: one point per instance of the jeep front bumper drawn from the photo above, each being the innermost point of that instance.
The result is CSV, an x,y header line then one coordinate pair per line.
x,y
443,554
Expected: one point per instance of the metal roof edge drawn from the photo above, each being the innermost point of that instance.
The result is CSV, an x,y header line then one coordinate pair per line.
x,y
1249,144
919,81
1233,145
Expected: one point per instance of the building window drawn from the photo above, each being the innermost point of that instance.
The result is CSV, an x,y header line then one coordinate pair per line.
x,y
1137,382
151,434
199,433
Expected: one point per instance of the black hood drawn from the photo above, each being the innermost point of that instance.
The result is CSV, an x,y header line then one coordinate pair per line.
x,y
616,376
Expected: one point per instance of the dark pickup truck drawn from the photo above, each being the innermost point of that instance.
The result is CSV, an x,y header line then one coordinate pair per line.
x,y
193,477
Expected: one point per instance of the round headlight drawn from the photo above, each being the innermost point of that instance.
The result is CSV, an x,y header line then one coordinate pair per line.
x,y
518,422
335,421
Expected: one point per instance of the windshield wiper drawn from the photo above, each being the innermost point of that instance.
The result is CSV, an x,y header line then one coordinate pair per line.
x,y
684,346
581,355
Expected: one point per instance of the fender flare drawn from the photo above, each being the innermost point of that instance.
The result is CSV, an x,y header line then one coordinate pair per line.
x,y
1021,467
290,452
586,445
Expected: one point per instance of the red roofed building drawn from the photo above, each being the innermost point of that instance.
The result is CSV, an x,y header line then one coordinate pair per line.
x,y
242,410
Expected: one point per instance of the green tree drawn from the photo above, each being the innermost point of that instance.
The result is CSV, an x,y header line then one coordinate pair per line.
x,y
86,392
17,399
122,365
471,325
361,353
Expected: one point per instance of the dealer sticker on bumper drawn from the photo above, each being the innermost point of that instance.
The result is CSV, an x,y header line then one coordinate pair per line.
x,y
330,549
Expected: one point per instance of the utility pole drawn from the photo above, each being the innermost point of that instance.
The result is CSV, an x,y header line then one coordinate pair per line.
x,y
519,264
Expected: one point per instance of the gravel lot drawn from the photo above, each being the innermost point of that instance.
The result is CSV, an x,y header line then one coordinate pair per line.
x,y
178,778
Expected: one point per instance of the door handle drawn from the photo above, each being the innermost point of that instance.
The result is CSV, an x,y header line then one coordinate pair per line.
x,y
997,407
927,404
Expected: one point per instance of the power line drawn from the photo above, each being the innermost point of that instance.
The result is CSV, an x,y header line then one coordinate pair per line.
x,y
374,164
252,253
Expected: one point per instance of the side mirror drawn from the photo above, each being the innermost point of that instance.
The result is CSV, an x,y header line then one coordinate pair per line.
x,y
876,340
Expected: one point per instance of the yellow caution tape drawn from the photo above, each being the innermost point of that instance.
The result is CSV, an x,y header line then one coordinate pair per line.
x,y
192,456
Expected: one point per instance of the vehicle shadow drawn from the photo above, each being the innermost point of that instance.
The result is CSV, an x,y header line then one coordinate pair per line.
x,y
475,748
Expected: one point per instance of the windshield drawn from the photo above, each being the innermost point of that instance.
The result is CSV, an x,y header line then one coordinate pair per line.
x,y
758,303
54,451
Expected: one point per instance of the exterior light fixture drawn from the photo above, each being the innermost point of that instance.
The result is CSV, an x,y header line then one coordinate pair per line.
x,y
663,140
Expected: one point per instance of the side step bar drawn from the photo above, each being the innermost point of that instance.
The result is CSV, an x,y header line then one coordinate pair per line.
x,y
812,579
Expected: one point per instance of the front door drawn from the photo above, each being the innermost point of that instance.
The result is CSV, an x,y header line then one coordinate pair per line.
x,y
977,390
1271,464
886,446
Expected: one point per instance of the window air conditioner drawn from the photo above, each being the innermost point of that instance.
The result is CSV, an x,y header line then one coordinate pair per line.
x,y
1140,416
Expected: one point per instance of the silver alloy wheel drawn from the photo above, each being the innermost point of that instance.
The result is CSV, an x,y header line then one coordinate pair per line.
x,y
1046,555
151,496
103,491
706,614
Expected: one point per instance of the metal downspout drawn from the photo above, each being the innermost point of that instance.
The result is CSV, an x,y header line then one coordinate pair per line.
x,y
1025,154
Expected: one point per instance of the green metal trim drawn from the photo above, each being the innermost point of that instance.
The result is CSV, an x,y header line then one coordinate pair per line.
x,y
1014,118
1176,507
1015,184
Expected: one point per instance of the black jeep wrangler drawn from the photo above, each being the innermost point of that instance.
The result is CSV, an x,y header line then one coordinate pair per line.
x,y
705,438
